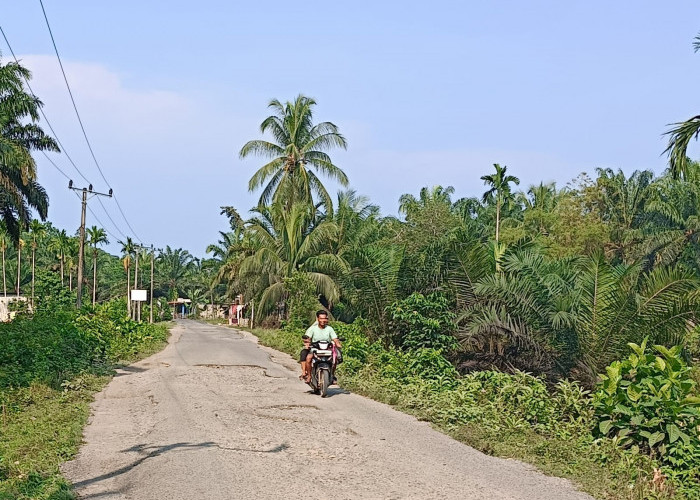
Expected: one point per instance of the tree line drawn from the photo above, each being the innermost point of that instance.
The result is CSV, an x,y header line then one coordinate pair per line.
x,y
543,278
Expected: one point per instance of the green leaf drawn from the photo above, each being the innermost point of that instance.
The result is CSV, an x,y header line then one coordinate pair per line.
x,y
633,392
673,433
605,427
660,363
664,351
655,438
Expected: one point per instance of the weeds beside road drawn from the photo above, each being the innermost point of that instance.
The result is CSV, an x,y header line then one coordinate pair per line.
x,y
51,365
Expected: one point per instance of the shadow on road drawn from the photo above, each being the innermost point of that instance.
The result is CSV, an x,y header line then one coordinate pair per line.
x,y
141,448
332,391
154,451
128,369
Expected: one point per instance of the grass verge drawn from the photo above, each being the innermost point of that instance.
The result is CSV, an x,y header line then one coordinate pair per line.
x,y
41,426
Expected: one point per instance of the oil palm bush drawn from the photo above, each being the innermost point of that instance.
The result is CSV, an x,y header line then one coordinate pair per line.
x,y
523,316
570,316
672,227
284,241
297,153
624,202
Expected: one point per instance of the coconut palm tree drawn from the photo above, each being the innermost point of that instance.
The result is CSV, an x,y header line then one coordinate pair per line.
x,y
679,137
499,193
127,251
298,148
37,232
96,236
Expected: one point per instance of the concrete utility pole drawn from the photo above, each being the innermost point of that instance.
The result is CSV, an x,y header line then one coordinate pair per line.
x,y
81,248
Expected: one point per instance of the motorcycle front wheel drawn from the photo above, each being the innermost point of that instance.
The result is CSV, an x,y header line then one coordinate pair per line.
x,y
325,382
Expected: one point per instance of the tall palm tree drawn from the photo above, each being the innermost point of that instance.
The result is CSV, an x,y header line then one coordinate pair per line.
x,y
127,251
679,137
60,244
499,193
96,236
298,145
19,136
4,243
37,232
173,267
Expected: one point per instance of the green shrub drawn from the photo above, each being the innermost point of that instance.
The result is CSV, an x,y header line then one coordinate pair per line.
x,y
420,321
43,348
302,301
646,401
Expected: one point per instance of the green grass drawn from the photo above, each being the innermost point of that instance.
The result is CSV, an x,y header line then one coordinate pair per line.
x,y
598,468
41,427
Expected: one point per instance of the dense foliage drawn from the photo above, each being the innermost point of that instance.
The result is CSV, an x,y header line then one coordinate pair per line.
x,y
458,298
50,365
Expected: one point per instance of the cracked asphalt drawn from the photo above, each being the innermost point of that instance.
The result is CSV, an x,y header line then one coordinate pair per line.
x,y
215,416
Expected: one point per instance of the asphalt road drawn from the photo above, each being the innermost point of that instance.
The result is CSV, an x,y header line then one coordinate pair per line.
x,y
215,416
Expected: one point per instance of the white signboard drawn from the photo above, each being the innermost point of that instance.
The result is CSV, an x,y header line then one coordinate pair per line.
x,y
139,295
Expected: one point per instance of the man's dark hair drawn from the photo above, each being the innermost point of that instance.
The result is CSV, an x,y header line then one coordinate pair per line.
x,y
321,313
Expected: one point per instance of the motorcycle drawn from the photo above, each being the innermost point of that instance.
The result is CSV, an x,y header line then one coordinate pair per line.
x,y
325,358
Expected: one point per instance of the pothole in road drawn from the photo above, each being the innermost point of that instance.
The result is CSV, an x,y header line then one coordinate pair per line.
x,y
220,366
289,407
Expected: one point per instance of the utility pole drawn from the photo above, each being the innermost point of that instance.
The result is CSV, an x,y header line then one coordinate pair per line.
x,y
81,248
136,307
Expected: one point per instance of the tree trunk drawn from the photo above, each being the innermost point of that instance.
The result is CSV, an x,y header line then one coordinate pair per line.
x,y
33,271
128,291
19,266
61,268
94,276
4,279
498,219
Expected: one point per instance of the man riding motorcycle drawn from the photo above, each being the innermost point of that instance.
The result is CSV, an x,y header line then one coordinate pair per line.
x,y
319,331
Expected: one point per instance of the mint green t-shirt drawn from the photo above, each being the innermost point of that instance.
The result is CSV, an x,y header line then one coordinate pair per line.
x,y
317,333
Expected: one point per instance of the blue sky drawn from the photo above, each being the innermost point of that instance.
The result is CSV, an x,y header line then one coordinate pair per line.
x,y
426,93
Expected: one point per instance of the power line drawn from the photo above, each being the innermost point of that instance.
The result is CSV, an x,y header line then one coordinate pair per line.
x,y
55,135
80,121
98,220
63,149
57,167
112,220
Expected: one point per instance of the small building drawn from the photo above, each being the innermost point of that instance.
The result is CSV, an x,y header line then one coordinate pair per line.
x,y
180,307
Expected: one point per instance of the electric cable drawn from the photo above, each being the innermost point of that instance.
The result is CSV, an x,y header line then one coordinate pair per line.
x,y
55,135
63,149
80,121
